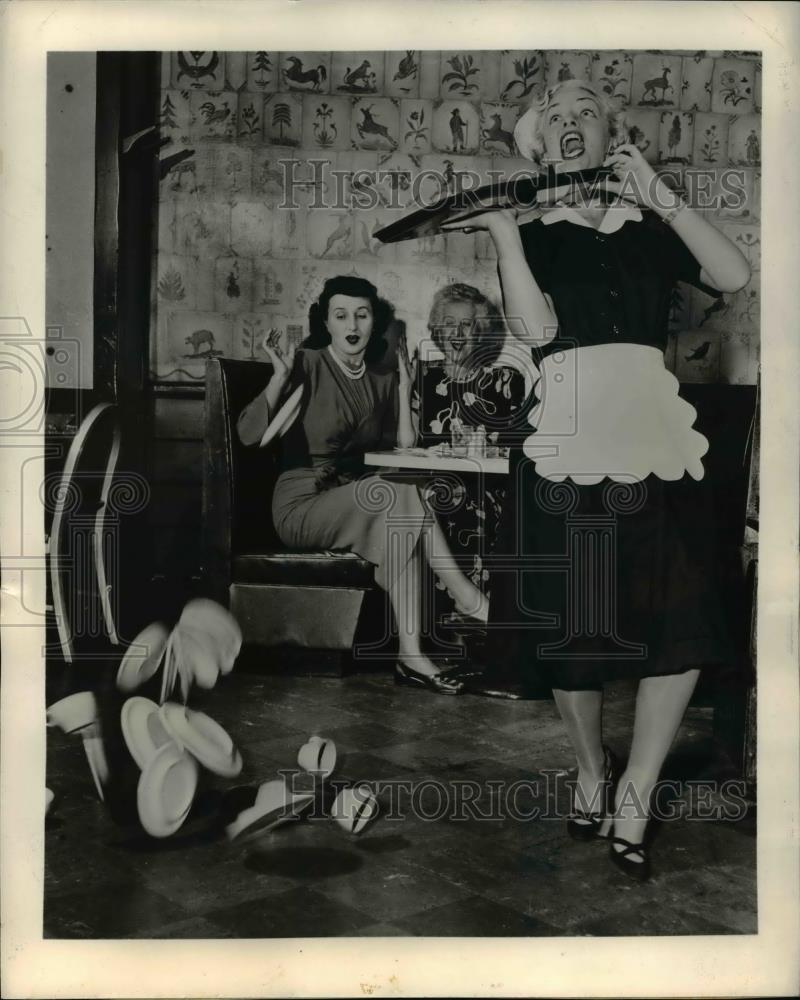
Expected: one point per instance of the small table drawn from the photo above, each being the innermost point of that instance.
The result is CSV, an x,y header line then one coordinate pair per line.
x,y
428,460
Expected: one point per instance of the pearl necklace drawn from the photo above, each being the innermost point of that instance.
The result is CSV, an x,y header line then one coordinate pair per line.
x,y
351,373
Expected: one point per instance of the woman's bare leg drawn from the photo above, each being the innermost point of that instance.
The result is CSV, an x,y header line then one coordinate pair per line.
x,y
660,706
468,598
404,591
581,712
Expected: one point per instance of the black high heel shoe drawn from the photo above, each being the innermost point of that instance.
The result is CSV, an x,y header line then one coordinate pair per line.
x,y
585,826
443,682
637,870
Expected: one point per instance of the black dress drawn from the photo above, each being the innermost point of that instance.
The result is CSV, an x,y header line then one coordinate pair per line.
x,y
602,572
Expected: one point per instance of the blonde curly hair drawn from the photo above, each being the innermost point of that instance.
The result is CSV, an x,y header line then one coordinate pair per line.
x,y
528,130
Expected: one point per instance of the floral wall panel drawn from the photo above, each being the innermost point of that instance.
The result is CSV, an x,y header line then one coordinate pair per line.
x,y
416,119
176,282
747,239
710,139
233,170
250,117
461,74
696,82
326,122
402,73
732,86
251,330
522,75
613,72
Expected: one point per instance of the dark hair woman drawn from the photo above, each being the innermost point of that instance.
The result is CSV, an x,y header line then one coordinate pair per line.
x,y
338,404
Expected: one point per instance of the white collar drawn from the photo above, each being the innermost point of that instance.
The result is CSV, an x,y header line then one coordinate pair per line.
x,y
616,216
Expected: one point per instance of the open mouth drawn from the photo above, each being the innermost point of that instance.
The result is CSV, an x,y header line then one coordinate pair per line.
x,y
352,339
572,145
457,344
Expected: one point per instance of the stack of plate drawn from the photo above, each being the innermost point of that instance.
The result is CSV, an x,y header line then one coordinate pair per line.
x,y
168,743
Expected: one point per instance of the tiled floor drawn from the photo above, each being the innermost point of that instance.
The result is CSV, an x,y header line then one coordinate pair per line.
x,y
419,874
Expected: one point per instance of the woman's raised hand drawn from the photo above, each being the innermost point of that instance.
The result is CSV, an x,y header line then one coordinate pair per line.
x,y
282,361
637,178
406,363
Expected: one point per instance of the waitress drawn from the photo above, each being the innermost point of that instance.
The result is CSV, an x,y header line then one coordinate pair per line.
x,y
611,514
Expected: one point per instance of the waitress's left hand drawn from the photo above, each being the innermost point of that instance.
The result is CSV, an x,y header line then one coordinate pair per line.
x,y
637,178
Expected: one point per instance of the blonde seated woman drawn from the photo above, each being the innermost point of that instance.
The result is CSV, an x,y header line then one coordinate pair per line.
x,y
588,287
323,499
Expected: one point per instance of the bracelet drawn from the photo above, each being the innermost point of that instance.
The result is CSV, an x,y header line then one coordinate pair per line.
x,y
672,214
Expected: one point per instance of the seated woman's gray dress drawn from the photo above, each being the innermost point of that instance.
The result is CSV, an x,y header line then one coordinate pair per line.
x,y
324,499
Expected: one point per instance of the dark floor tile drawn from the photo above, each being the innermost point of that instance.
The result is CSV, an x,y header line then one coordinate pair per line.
x,y
366,735
110,912
649,921
474,917
300,912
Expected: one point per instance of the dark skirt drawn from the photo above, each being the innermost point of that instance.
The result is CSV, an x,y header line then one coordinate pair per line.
x,y
609,581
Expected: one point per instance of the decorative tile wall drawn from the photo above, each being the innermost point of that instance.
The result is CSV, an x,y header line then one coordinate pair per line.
x,y
310,130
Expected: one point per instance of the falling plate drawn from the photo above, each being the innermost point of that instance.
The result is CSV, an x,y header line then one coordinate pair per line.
x,y
143,657
204,738
217,622
354,807
275,805
318,756
74,712
143,729
166,790
198,655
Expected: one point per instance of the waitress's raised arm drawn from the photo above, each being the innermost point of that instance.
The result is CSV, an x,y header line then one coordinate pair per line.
x,y
528,313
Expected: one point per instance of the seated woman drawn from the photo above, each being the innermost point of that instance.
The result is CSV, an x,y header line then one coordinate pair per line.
x,y
323,499
468,389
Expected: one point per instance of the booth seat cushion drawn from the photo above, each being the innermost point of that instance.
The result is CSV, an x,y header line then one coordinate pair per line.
x,y
303,569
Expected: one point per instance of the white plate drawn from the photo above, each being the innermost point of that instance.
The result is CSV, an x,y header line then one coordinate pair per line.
x,y
143,730
284,418
166,790
142,657
204,738
219,624
198,655
274,806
